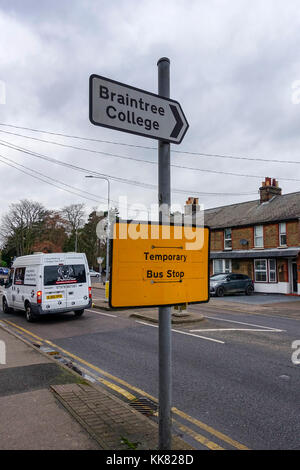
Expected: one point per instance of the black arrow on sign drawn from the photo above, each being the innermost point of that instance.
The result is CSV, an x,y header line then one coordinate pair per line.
x,y
179,121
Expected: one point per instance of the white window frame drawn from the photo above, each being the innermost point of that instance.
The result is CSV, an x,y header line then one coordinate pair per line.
x,y
272,270
225,269
282,233
228,239
267,270
258,236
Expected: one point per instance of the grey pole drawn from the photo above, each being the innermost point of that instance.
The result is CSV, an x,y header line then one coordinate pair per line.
x,y
164,200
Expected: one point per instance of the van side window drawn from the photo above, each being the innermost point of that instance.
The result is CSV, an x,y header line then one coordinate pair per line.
x,y
19,276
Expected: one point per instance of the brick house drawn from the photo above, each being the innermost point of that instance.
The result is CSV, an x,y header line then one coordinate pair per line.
x,y
259,238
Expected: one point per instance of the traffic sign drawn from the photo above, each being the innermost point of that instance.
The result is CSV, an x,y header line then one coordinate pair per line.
x,y
128,109
158,269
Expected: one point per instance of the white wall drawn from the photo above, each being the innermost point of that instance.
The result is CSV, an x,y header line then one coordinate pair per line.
x,y
276,288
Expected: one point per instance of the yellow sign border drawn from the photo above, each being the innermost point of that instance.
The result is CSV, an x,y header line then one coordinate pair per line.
x,y
163,304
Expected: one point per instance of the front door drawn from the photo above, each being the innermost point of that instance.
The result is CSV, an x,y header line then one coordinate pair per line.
x,y
295,278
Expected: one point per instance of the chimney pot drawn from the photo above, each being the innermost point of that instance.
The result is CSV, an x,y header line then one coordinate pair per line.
x,y
269,189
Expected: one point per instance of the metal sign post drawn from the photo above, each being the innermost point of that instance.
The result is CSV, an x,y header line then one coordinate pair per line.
x,y
164,313
125,108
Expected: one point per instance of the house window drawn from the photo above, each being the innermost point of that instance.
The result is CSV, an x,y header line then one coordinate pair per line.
x,y
227,239
260,270
272,270
258,236
222,266
282,234
265,270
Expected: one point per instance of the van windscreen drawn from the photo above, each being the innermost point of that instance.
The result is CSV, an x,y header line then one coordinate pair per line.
x,y
64,274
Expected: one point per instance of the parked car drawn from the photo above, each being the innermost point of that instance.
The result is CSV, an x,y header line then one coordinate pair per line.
x,y
230,283
4,271
48,283
95,274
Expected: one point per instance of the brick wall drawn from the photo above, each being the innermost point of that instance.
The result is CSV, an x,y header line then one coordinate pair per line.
x,y
293,235
217,240
244,233
242,266
271,236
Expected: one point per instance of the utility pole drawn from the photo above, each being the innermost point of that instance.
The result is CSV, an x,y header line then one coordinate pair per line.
x,y
164,201
76,240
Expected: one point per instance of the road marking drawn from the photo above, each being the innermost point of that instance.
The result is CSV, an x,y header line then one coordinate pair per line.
x,y
211,430
185,333
102,313
198,437
139,391
147,324
198,336
23,329
239,329
240,322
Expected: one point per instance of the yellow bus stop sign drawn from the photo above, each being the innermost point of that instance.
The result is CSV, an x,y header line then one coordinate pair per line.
x,y
155,264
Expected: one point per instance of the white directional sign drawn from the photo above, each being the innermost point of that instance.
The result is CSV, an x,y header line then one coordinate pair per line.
x,y
128,109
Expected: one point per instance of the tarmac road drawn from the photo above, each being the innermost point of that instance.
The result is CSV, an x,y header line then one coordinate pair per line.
x,y
232,371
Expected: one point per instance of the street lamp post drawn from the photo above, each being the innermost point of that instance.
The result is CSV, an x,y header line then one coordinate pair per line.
x,y
108,222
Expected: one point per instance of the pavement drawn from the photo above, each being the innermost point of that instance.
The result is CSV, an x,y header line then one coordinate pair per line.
x,y
47,406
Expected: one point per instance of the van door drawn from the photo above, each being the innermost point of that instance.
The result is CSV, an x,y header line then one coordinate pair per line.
x,y
77,290
54,296
18,288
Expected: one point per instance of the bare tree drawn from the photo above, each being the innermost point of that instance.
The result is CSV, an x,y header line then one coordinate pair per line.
x,y
74,215
21,226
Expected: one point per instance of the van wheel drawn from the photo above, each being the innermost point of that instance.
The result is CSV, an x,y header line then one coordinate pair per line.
x,y
29,315
79,313
5,307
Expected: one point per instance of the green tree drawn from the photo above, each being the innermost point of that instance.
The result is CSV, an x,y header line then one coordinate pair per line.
x,y
88,241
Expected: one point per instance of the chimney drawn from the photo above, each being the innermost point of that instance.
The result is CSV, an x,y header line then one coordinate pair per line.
x,y
192,206
268,189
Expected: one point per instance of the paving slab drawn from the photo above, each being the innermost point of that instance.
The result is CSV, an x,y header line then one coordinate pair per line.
x,y
111,422
36,421
33,388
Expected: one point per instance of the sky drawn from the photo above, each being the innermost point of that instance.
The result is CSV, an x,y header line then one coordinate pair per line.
x,y
235,70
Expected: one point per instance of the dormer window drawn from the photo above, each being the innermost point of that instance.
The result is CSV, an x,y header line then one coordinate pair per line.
x,y
282,234
227,239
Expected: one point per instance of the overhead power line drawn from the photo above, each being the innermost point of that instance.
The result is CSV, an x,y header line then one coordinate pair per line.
x,y
45,178
115,178
218,172
200,154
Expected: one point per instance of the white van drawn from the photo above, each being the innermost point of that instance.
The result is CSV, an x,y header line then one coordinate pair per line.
x,y
48,283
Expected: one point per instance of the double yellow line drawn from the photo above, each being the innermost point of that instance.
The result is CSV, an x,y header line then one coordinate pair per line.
x,y
129,396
